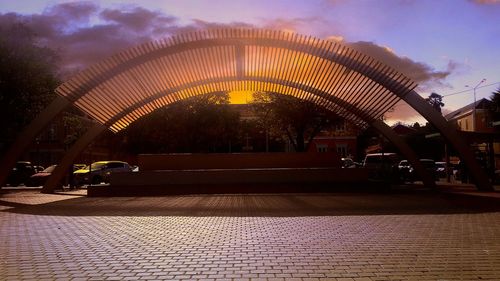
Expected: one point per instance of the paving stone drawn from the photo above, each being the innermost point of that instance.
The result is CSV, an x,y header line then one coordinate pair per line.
x,y
269,237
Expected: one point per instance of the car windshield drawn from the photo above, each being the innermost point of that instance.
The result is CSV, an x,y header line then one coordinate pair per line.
x,y
95,166
376,159
373,159
427,163
49,169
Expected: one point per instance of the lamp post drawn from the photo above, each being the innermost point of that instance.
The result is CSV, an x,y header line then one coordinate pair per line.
x,y
474,107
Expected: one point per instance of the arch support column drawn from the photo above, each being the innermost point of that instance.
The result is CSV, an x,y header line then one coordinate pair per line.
x,y
406,150
451,135
29,134
63,168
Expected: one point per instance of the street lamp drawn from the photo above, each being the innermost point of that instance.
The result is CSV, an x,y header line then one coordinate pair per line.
x,y
474,106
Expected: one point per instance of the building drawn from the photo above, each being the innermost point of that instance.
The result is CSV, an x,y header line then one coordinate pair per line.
x,y
341,139
474,117
476,122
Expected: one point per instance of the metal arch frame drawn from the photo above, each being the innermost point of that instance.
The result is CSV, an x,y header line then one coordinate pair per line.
x,y
354,62
62,169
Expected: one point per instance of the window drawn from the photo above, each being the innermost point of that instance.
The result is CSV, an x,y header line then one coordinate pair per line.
x,y
113,165
322,148
340,127
342,150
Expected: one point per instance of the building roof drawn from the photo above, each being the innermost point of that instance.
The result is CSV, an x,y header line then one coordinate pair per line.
x,y
402,129
479,104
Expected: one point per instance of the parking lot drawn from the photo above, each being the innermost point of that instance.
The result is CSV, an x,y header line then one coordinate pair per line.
x,y
398,235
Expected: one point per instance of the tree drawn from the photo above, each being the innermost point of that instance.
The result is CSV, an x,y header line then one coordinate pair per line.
x,y
495,105
205,123
27,80
436,101
74,127
299,120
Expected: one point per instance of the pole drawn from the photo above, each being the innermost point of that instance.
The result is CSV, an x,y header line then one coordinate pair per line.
x,y
90,166
447,165
267,140
474,106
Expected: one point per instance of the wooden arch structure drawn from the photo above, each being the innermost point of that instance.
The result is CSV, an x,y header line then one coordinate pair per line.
x,y
134,83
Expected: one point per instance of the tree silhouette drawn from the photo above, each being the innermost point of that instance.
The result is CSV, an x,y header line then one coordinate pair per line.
x,y
27,80
299,120
436,101
204,123
495,105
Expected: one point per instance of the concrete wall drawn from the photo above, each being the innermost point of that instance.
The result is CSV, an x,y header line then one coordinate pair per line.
x,y
156,162
219,181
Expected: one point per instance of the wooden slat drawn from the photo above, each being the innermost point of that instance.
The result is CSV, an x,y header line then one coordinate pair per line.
x,y
124,87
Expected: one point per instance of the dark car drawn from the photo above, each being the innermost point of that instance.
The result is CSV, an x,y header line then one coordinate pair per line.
x,y
383,166
441,168
21,173
349,163
429,166
404,169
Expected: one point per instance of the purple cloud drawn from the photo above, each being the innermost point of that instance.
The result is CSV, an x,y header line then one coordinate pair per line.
x,y
72,29
419,72
137,19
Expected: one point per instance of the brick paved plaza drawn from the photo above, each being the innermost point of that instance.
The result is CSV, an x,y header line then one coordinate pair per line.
x,y
396,236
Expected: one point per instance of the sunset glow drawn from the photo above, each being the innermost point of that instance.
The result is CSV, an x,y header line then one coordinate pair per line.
x,y
240,97
441,45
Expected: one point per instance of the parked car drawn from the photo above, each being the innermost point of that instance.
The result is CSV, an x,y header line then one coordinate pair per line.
x,y
21,173
441,169
429,166
40,178
383,166
78,166
404,168
349,163
379,160
99,172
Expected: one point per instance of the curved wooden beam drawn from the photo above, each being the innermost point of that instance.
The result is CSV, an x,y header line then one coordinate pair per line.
x,y
64,167
451,135
406,150
351,70
29,134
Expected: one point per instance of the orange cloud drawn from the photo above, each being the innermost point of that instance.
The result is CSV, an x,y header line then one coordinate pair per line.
x,y
486,2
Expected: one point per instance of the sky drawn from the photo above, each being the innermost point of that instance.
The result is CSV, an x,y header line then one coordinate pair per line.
x,y
442,45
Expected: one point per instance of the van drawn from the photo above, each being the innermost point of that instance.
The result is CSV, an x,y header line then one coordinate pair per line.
x,y
378,160
383,166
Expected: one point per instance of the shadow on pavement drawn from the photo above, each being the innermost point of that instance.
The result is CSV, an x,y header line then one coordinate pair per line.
x,y
265,205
